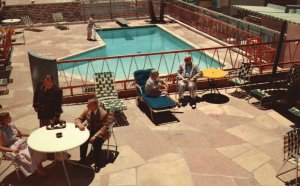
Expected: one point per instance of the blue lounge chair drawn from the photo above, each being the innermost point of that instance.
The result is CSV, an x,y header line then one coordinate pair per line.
x,y
156,105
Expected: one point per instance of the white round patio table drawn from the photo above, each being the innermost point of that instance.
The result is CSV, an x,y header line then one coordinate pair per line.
x,y
11,21
44,140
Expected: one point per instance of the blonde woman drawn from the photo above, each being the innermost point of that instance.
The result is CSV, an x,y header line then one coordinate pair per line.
x,y
91,35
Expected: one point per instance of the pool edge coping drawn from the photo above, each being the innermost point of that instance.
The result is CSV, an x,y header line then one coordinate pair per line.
x,y
99,40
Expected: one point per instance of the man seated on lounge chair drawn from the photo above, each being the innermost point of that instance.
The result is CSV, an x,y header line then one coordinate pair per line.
x,y
156,87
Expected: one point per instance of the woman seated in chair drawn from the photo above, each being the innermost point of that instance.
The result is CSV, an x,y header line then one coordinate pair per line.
x,y
156,87
28,160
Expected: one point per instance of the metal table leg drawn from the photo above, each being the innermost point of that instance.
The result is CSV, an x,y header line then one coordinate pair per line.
x,y
71,162
66,173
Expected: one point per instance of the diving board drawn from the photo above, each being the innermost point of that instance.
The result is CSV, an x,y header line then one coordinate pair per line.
x,y
122,22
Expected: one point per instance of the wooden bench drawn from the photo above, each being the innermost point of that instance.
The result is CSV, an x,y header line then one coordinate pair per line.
x,y
121,22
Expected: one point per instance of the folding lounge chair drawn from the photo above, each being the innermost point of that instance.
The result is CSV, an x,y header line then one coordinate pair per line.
x,y
29,23
59,20
8,156
295,111
5,72
3,83
291,142
19,34
240,78
274,93
155,105
106,93
108,144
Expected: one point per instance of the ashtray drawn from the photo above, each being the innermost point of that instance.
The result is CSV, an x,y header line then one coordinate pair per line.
x,y
59,135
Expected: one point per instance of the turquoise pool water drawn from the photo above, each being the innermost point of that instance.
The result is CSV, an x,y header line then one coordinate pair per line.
x,y
137,40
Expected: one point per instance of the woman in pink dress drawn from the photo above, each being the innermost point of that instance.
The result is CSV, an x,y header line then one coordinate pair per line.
x,y
28,160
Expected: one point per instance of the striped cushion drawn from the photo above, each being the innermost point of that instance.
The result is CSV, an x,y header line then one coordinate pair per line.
x,y
295,111
3,82
238,80
267,92
114,105
245,70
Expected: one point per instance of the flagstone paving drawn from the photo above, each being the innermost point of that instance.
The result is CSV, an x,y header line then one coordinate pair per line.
x,y
216,144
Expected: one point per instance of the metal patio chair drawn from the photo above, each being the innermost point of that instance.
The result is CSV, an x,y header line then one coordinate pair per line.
x,y
29,23
59,20
4,83
276,91
240,78
291,142
19,34
106,93
108,144
7,156
295,111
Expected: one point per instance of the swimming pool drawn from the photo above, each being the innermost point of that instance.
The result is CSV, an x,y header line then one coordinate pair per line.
x,y
138,40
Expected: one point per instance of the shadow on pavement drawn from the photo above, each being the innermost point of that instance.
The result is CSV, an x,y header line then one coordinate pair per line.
x,y
215,98
160,118
79,176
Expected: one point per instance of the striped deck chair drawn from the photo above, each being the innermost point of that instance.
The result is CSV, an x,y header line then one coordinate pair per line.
x,y
106,93
8,156
59,20
272,94
295,111
291,142
5,71
3,83
240,78
29,23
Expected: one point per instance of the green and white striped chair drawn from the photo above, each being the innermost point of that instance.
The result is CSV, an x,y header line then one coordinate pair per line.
x,y
295,111
59,20
29,23
240,78
4,83
106,93
291,146
269,95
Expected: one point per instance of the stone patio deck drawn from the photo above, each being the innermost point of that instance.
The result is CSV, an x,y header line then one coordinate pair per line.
x,y
232,144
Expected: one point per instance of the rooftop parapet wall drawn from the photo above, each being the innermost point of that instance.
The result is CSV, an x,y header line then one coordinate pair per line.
x,y
43,12
78,11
